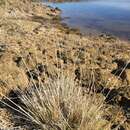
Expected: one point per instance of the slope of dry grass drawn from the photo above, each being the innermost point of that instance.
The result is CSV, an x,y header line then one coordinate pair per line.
x,y
59,104
29,31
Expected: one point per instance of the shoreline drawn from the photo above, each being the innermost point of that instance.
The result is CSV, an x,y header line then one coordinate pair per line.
x,y
93,31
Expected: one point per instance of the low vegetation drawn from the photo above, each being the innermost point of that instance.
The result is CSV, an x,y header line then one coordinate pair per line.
x,y
91,89
60,105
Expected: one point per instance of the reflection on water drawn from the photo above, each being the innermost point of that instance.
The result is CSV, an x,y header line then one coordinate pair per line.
x,y
111,16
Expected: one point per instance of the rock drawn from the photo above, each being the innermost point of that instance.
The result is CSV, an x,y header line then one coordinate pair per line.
x,y
57,9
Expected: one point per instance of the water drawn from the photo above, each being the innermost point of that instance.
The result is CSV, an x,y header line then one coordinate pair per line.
x,y
97,16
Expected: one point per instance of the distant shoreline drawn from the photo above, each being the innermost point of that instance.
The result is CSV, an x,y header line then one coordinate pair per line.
x,y
122,34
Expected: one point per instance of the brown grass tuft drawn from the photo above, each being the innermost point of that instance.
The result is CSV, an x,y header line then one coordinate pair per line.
x,y
61,105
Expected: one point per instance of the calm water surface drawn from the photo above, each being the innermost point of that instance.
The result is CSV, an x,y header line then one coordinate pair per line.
x,y
97,16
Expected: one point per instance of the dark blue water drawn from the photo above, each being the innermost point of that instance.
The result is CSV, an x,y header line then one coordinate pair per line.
x,y
98,16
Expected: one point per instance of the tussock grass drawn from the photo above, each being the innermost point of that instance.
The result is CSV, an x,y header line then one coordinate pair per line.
x,y
61,105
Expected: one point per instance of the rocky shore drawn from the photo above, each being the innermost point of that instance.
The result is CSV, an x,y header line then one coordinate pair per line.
x,y
32,40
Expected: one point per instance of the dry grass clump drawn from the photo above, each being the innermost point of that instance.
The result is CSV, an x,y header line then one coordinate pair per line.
x,y
61,105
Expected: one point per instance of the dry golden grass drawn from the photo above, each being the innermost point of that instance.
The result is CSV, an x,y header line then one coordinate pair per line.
x,y
60,105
